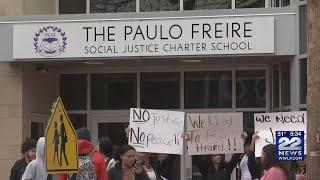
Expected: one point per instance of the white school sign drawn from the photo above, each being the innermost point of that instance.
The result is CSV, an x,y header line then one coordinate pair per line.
x,y
144,37
156,131
266,124
215,133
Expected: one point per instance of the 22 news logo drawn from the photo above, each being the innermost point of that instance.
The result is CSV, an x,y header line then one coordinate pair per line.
x,y
290,145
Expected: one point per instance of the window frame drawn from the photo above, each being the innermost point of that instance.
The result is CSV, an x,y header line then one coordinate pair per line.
x,y
268,3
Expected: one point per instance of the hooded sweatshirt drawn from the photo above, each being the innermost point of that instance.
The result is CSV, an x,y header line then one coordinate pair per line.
x,y
36,168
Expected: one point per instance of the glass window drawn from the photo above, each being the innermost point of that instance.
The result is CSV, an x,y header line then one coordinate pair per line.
x,y
115,131
113,91
302,29
112,6
206,4
72,6
251,89
275,3
160,90
285,3
37,130
208,89
73,91
159,5
78,120
248,121
303,81
285,84
250,3
275,86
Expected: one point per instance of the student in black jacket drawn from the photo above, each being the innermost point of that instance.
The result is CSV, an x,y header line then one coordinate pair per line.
x,y
150,166
214,167
28,150
127,167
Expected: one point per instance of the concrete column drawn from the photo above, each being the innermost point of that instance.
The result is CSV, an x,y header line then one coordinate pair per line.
x,y
10,116
313,101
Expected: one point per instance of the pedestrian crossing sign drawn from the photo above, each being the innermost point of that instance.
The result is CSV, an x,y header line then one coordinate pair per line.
x,y
61,150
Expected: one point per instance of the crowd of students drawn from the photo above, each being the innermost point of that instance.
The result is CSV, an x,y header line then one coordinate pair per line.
x,y
125,163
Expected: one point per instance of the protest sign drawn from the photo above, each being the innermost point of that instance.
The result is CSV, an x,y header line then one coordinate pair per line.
x,y
156,131
266,124
215,133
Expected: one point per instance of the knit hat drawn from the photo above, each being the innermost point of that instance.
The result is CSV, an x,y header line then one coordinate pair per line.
x,y
83,133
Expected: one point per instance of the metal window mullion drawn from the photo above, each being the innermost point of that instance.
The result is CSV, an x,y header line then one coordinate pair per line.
x,y
234,90
183,159
89,101
233,4
137,5
88,6
57,7
272,106
268,89
58,85
182,90
76,111
267,3
280,86
181,5
138,88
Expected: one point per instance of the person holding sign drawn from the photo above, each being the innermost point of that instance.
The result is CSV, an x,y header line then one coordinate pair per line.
x,y
214,167
128,168
272,168
246,170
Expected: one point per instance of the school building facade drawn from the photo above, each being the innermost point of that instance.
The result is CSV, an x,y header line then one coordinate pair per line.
x,y
103,57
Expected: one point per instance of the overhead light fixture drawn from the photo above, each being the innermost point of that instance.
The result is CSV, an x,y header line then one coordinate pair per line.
x,y
42,68
94,62
191,60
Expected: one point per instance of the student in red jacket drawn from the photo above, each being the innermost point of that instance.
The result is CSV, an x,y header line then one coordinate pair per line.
x,y
85,147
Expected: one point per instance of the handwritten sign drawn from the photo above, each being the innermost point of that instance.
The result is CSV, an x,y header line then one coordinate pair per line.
x,y
268,123
156,131
215,133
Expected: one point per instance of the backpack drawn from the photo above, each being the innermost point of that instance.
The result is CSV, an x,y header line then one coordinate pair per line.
x,y
86,170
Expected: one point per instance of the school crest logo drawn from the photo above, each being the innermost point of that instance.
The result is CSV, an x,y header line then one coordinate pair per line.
x,y
50,41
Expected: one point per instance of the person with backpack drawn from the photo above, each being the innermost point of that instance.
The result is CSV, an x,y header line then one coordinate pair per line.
x,y
28,149
36,169
91,164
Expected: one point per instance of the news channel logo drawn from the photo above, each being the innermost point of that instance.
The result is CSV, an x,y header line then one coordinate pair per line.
x,y
290,145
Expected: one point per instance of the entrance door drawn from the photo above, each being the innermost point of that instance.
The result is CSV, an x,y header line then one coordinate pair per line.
x,y
36,125
111,124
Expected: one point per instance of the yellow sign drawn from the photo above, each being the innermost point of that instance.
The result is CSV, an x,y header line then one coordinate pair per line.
x,y
61,142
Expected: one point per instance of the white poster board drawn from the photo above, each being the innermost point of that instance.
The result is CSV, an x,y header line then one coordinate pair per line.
x,y
156,131
215,133
266,124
